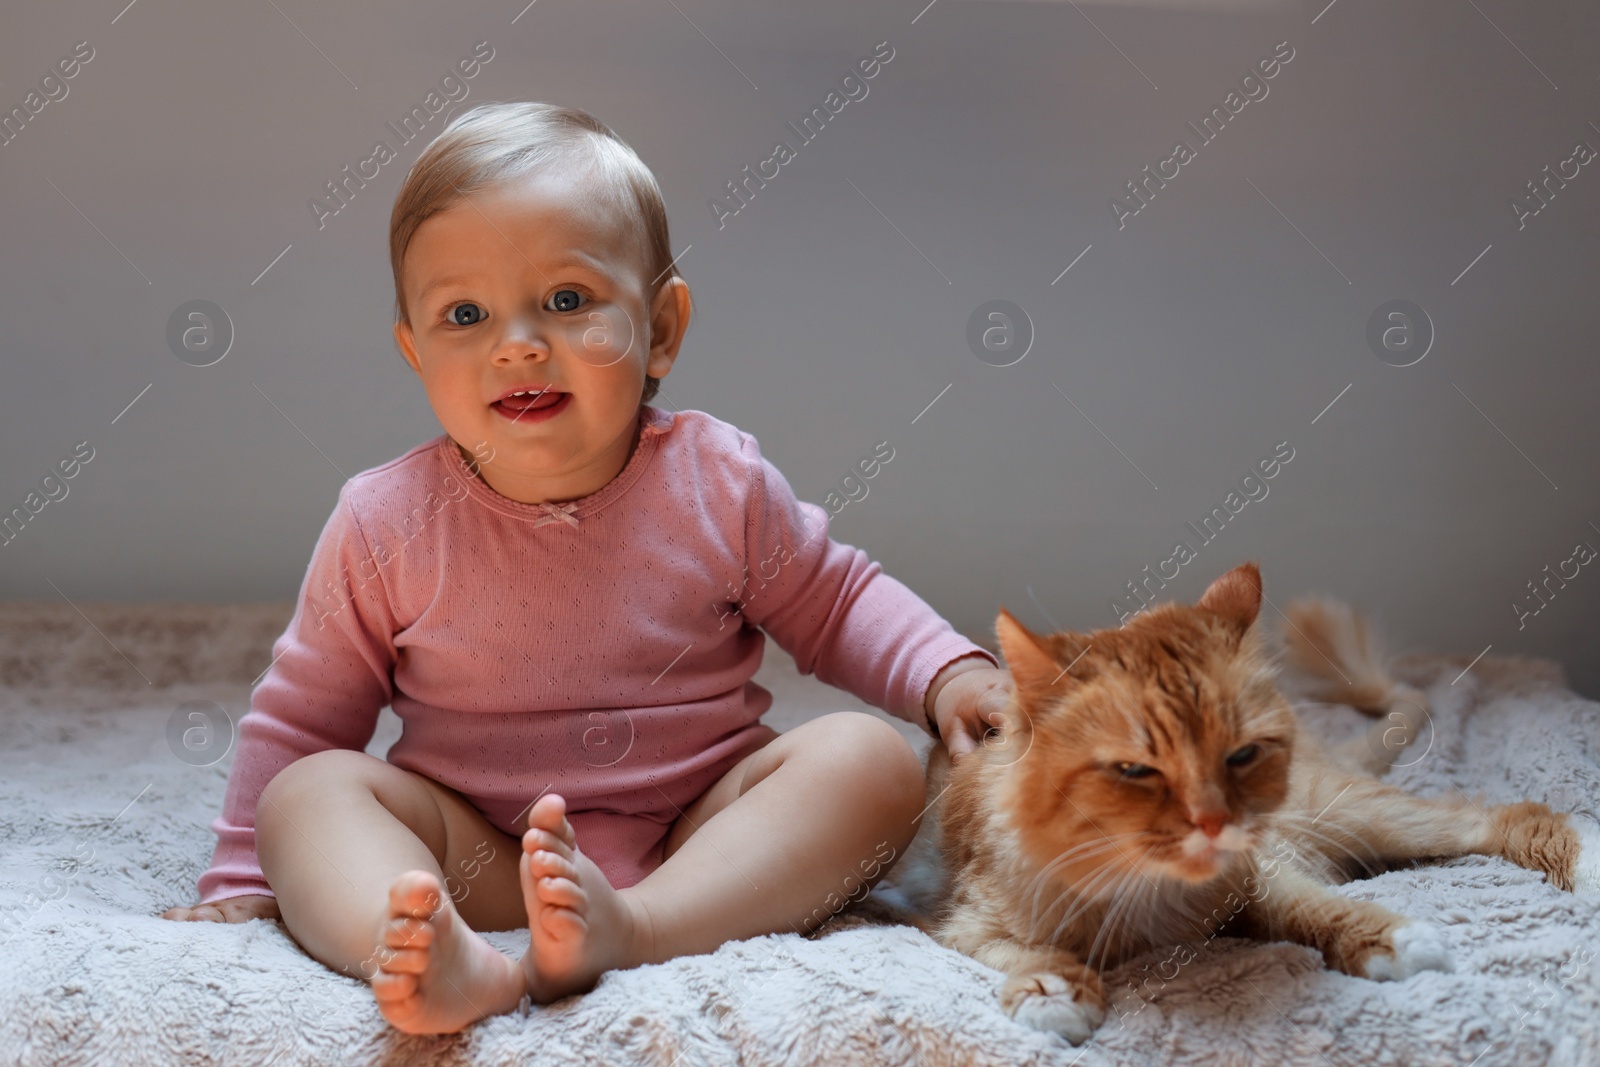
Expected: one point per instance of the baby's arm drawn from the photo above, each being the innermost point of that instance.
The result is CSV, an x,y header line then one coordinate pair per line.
x,y
842,617
331,673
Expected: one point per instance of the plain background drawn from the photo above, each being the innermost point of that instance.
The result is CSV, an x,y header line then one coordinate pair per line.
x,y
833,309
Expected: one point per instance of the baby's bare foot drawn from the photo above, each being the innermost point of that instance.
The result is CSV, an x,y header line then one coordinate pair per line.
x,y
579,925
437,975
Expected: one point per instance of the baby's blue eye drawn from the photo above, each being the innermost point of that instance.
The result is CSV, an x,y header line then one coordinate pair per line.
x,y
566,300
466,314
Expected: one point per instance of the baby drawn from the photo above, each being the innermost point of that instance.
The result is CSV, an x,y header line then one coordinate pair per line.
x,y
563,598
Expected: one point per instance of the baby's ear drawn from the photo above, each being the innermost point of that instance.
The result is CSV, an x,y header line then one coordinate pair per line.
x,y
1031,662
405,341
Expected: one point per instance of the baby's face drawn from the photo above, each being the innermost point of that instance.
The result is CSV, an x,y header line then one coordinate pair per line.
x,y
535,286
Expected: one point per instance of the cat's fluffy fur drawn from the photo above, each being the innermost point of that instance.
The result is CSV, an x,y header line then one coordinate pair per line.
x,y
1152,788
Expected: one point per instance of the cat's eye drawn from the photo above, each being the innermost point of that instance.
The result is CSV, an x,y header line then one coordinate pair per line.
x,y
1239,757
1134,770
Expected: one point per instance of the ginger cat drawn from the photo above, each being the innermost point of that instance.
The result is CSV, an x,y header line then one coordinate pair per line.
x,y
1152,787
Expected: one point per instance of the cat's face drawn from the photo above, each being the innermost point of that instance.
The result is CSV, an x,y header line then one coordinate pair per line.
x,y
1161,750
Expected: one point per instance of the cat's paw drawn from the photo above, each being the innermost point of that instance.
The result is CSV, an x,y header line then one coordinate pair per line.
x,y
1586,864
1050,1003
1417,947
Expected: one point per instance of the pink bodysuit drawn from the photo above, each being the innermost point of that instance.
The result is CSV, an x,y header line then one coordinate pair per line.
x,y
601,648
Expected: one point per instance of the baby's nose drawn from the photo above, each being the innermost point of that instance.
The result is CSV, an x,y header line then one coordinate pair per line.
x,y
522,338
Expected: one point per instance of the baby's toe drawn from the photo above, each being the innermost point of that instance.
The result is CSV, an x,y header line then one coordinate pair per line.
x,y
549,812
406,961
415,893
563,924
536,840
408,933
545,863
561,892
390,986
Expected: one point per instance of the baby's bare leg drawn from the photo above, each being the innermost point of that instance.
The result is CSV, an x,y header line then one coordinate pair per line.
x,y
382,874
814,819
780,843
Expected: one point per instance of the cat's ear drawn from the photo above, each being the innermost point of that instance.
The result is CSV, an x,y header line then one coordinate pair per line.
x,y
1236,596
1032,665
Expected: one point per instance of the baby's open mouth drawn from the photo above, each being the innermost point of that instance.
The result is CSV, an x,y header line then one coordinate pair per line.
x,y
532,405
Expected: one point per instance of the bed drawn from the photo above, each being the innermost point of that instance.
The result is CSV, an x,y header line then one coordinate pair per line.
x,y
104,826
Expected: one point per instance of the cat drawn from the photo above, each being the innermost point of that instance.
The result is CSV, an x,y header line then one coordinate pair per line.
x,y
1152,787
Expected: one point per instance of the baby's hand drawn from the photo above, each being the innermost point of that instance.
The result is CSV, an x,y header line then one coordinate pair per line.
x,y
233,910
968,697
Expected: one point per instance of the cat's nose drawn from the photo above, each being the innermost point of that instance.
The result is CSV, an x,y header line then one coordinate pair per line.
x,y
1210,822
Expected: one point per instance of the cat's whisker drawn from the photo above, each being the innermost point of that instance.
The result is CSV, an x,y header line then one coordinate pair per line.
x,y
1091,894
1114,842
1078,893
1303,824
1302,818
1102,843
1088,848
1042,879
1079,903
1079,852
1071,889
1123,907
1084,895
1109,918
1143,906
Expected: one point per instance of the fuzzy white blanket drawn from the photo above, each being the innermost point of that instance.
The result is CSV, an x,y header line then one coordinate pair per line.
x,y
102,827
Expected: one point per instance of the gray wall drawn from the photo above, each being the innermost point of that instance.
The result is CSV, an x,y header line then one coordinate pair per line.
x,y
1217,322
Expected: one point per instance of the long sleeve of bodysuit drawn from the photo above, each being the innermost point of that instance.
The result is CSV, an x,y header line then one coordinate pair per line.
x,y
332,672
834,609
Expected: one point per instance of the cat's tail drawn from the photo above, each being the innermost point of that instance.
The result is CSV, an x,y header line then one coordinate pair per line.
x,y
1332,647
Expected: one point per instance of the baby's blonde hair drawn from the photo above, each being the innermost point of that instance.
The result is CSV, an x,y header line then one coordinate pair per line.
x,y
497,142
